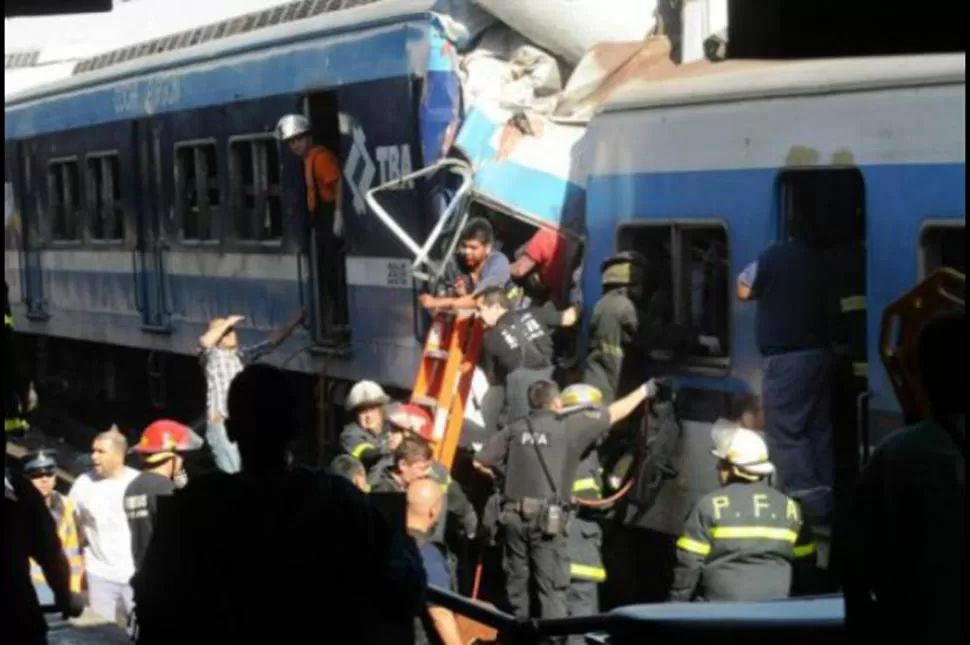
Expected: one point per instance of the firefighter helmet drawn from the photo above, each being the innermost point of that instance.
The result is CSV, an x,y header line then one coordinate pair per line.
x,y
162,439
744,449
412,418
366,393
292,126
623,268
580,397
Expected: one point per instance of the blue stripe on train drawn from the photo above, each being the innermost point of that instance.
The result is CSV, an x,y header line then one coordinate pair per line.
x,y
899,198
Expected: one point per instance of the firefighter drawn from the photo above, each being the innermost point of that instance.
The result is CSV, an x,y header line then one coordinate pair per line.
x,y
745,541
617,327
40,468
161,445
366,437
413,422
16,387
539,455
585,536
324,197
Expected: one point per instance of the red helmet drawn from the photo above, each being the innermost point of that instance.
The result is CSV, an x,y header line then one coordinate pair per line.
x,y
412,418
164,438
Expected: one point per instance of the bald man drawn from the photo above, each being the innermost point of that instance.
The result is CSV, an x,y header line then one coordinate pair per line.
x,y
99,496
424,508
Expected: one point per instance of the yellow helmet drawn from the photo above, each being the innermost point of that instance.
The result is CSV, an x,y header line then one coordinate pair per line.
x,y
579,397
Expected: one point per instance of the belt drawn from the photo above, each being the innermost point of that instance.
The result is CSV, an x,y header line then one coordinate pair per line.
x,y
529,505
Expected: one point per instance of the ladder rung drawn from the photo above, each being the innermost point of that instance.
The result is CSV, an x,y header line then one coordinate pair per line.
x,y
439,354
426,401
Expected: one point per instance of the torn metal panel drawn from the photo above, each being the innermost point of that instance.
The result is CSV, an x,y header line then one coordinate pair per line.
x,y
525,164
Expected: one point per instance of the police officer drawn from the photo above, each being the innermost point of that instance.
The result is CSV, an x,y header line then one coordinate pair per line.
x,y
29,533
539,455
517,351
741,541
40,467
585,537
16,387
366,437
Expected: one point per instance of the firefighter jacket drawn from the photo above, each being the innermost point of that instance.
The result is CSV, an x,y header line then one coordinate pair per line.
x,y
364,445
585,538
741,543
64,511
849,273
15,385
618,330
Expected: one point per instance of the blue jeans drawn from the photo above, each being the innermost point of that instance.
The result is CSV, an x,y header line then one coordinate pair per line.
x,y
225,452
797,398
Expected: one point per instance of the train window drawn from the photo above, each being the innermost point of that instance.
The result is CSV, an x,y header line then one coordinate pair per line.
x,y
688,288
65,200
943,245
104,198
197,196
254,173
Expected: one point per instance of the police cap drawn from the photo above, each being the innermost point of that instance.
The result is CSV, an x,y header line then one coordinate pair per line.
x,y
39,461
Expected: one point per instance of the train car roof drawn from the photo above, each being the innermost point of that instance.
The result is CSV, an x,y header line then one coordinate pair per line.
x,y
346,20
753,80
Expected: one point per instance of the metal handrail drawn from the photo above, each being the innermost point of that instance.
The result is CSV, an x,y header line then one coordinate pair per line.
x,y
421,253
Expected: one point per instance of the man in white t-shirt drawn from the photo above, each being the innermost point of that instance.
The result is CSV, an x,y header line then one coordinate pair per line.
x,y
99,496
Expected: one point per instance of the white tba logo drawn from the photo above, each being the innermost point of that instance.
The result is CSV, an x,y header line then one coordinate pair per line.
x,y
392,161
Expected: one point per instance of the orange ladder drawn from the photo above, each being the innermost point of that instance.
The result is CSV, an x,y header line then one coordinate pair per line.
x,y
445,376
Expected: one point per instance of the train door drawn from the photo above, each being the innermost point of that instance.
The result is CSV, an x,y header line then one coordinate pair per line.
x,y
829,206
150,286
326,253
24,186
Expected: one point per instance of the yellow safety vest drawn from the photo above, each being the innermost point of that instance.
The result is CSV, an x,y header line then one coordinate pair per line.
x,y
70,543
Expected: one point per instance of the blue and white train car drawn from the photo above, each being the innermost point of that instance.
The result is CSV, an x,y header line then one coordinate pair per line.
x,y
701,173
152,195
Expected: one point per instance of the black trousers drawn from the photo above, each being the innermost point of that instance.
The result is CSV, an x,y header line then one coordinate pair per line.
x,y
535,562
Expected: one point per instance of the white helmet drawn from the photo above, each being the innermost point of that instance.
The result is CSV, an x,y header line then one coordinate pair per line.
x,y
366,393
742,448
292,126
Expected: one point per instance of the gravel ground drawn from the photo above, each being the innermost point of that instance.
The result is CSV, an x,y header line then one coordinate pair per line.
x,y
89,629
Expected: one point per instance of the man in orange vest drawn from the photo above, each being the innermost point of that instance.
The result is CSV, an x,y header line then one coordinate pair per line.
x,y
322,173
40,467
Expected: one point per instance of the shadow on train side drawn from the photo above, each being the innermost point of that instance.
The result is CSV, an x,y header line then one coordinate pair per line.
x,y
151,196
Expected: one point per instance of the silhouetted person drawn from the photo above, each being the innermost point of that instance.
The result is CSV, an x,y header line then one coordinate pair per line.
x,y
29,532
350,469
905,558
271,555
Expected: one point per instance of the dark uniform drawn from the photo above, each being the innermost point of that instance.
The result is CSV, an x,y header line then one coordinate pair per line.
x,y
743,542
29,532
454,501
532,484
516,352
15,384
585,542
364,445
794,325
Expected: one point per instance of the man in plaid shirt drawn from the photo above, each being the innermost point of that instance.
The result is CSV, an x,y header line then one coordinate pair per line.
x,y
222,359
